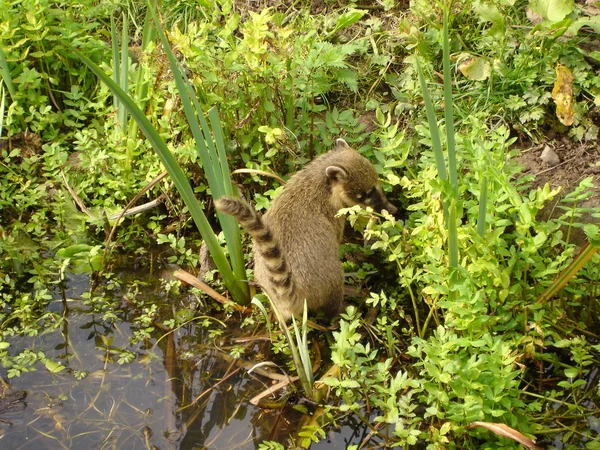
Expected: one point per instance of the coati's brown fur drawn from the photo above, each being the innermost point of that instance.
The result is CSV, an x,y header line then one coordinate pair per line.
x,y
296,241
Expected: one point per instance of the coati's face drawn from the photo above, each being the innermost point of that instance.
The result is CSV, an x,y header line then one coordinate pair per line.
x,y
354,180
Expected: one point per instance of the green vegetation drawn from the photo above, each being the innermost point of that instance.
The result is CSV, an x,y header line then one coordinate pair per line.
x,y
481,310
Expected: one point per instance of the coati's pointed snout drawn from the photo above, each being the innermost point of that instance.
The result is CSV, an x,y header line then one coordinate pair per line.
x,y
379,202
390,208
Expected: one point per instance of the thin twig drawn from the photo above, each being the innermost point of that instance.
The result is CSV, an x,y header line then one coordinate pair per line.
x,y
257,398
259,172
554,167
188,278
75,196
137,209
129,205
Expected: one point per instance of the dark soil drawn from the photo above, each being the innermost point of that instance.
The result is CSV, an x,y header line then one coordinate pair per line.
x,y
577,161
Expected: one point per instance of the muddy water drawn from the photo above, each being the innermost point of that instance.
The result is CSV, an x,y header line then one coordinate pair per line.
x,y
171,395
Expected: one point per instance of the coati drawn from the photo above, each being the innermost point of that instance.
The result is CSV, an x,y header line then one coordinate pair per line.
x,y
296,242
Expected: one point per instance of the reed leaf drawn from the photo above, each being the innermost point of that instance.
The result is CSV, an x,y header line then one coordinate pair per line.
x,y
571,271
449,108
213,163
452,235
5,74
2,107
116,74
124,81
302,341
141,83
436,142
179,179
454,209
230,227
306,380
483,191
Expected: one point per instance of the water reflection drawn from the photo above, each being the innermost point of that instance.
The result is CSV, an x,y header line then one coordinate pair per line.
x,y
172,390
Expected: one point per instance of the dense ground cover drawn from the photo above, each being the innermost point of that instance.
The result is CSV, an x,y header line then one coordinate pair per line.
x,y
456,325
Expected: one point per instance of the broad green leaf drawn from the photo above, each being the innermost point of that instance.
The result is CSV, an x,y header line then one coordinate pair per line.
x,y
73,250
330,381
592,22
525,214
552,10
488,12
571,372
592,232
347,19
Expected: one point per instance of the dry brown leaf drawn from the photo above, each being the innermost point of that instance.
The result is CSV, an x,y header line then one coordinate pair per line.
x,y
563,94
505,431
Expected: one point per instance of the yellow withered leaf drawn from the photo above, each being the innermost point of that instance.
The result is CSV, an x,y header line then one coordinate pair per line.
x,y
562,94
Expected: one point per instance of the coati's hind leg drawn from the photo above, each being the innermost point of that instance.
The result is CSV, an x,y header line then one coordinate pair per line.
x,y
334,305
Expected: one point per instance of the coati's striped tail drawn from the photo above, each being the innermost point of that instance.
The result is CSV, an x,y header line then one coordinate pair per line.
x,y
264,242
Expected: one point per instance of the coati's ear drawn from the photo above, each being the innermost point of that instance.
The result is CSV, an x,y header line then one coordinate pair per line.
x,y
336,173
341,144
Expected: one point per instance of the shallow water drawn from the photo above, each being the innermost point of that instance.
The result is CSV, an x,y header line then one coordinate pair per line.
x,y
170,396
179,391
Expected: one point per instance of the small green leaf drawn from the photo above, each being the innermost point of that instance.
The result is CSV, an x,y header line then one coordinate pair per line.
x,y
525,214
539,239
351,384
53,366
571,372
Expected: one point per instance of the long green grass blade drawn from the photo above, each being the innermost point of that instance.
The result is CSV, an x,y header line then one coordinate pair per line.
x,y
573,269
189,111
215,124
141,83
231,230
307,386
452,235
206,148
433,127
2,106
116,74
299,354
122,112
449,108
219,184
5,74
256,302
178,177
483,191
304,353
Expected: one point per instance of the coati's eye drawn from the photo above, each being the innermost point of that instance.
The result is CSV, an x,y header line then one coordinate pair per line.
x,y
364,196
